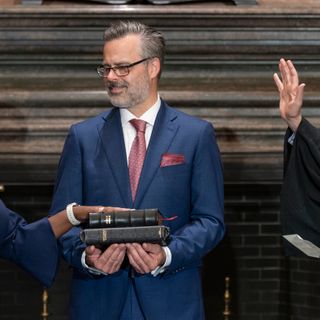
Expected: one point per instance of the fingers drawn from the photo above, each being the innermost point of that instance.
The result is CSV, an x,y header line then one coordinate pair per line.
x,y
92,254
103,209
92,250
100,209
145,258
82,212
138,258
112,258
285,75
151,248
288,85
288,73
291,93
157,252
108,261
278,82
290,81
293,74
284,71
112,209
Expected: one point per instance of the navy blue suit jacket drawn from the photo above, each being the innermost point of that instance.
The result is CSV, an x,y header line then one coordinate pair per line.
x,y
93,170
31,246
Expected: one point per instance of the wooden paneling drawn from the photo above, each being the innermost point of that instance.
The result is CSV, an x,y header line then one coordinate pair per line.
x,y
219,66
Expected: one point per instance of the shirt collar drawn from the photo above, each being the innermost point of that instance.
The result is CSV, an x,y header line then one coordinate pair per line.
x,y
149,116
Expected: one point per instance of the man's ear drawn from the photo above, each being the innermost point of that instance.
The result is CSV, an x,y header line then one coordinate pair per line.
x,y
154,67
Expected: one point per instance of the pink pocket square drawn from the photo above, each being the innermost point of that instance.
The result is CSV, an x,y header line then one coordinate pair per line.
x,y
171,159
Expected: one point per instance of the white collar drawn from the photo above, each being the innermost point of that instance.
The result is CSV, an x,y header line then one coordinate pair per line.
x,y
149,116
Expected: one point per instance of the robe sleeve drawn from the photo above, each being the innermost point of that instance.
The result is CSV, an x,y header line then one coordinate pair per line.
x,y
300,195
32,246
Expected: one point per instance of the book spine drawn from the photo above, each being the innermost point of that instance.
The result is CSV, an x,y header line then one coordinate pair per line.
x,y
127,218
106,236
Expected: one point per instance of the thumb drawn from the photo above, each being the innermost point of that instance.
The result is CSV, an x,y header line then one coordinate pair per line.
x,y
91,250
149,247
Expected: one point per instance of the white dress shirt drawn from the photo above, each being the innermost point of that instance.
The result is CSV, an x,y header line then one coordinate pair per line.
x,y
129,132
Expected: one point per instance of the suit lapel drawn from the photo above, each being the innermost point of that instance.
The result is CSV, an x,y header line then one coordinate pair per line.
x,y
164,130
112,141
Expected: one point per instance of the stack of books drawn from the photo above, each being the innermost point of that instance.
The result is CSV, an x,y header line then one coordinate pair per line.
x,y
143,225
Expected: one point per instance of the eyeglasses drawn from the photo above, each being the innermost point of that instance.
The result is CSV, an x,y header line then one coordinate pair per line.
x,y
120,71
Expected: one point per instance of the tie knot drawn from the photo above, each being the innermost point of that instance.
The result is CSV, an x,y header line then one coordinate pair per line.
x,y
139,125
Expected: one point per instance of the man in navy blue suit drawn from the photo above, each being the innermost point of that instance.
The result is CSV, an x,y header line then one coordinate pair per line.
x,y
181,176
33,246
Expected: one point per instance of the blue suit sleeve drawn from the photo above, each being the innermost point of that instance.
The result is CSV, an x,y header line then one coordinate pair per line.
x,y
68,189
32,246
206,228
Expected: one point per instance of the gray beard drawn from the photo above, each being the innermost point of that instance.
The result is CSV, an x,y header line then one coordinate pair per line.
x,y
131,99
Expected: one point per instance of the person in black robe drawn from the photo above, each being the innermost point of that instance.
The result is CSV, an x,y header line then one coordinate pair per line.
x,y
300,194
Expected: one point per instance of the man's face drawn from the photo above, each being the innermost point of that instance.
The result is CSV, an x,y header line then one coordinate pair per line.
x,y
131,90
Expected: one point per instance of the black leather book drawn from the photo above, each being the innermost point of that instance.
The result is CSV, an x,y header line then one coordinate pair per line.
x,y
105,236
127,218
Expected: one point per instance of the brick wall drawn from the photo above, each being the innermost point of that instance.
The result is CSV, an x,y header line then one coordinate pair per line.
x,y
264,284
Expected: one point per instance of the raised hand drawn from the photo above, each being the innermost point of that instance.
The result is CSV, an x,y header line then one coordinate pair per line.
x,y
291,94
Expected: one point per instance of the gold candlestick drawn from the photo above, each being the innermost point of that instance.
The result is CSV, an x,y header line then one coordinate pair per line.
x,y
45,297
227,298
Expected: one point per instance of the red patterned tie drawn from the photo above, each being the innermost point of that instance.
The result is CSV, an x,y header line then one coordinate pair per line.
x,y
137,155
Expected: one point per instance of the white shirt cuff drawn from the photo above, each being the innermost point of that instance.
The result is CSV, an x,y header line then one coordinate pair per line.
x,y
167,263
92,270
291,138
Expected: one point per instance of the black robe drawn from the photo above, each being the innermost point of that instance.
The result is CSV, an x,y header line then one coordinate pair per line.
x,y
300,195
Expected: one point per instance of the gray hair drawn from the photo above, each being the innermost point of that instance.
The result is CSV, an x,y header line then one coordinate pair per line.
x,y
153,43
